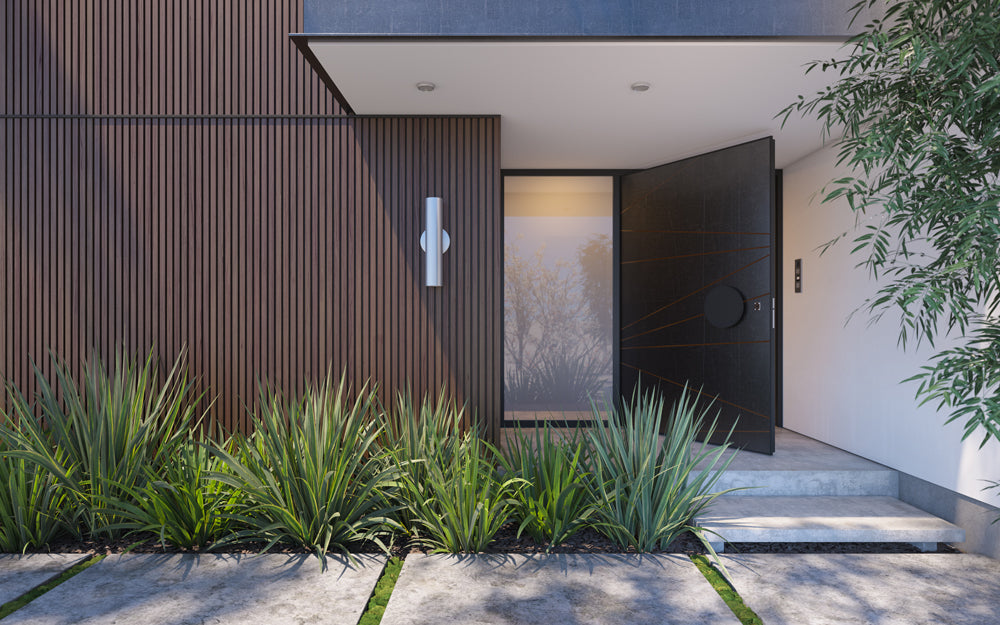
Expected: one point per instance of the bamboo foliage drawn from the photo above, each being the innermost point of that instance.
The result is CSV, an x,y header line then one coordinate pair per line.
x,y
915,115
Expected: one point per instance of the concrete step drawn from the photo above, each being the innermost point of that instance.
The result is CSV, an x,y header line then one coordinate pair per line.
x,y
874,482
824,519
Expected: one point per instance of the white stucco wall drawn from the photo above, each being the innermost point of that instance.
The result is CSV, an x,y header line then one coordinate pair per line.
x,y
842,383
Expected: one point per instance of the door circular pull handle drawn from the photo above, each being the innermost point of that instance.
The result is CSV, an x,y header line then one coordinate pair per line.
x,y
724,306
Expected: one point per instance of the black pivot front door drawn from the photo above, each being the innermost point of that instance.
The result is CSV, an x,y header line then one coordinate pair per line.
x,y
696,285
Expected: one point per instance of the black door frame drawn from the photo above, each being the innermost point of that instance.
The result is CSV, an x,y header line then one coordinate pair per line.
x,y
615,175
777,283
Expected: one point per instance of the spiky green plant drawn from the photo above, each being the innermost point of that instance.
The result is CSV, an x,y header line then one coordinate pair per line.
x,y
459,505
102,437
418,437
182,506
32,507
554,502
311,472
647,492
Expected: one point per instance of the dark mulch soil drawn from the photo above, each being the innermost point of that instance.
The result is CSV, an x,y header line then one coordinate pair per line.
x,y
136,544
506,541
586,541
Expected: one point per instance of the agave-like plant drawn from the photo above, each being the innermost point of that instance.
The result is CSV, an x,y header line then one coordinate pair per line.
x,y
311,472
103,437
434,429
182,506
32,507
555,500
450,496
647,492
458,506
417,438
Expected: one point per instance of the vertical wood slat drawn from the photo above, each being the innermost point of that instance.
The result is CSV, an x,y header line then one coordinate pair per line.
x,y
186,57
273,248
163,259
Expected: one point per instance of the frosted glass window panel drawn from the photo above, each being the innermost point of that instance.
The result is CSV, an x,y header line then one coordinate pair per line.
x,y
558,294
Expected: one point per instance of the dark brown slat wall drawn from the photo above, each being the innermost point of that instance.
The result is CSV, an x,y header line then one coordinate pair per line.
x,y
272,247
156,57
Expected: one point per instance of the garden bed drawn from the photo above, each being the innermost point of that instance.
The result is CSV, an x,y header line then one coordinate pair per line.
x,y
505,541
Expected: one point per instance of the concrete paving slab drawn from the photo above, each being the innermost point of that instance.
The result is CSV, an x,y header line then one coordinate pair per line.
x,y
19,574
220,589
869,589
564,589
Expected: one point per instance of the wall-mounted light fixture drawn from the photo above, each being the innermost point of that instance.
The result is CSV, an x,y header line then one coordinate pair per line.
x,y
434,240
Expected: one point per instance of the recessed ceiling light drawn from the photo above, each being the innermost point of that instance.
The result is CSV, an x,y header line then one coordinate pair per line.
x,y
426,86
640,86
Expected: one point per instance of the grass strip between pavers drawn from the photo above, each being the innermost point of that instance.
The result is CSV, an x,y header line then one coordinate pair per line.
x,y
726,591
380,594
39,590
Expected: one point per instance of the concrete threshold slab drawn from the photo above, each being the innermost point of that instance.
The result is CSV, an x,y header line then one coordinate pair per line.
x,y
546,590
825,519
221,589
19,574
869,589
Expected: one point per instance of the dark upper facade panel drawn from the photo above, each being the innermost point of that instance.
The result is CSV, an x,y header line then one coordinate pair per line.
x,y
580,18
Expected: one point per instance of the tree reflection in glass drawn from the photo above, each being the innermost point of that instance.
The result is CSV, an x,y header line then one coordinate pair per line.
x,y
558,271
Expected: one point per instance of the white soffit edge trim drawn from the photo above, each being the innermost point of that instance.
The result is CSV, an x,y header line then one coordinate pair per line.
x,y
570,105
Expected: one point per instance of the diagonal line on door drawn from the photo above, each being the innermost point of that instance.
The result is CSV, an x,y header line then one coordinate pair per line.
x,y
643,231
694,344
650,260
716,398
664,327
695,292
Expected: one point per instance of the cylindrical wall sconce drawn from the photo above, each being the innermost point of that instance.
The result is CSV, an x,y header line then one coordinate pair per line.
x,y
434,241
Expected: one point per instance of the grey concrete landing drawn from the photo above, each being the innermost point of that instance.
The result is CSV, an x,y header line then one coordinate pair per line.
x,y
190,589
869,589
19,574
803,466
825,519
795,452
553,590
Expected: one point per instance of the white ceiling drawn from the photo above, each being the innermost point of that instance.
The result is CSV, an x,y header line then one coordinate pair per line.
x,y
568,105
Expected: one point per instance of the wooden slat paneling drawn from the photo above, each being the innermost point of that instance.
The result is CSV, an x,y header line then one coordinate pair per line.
x,y
275,244
156,57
